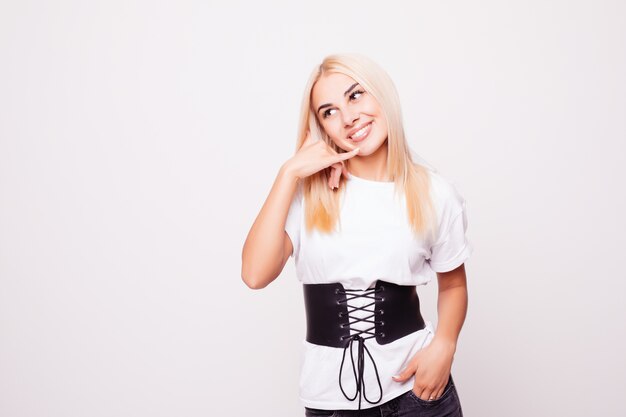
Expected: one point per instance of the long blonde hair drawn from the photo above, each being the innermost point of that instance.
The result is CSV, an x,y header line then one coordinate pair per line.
x,y
322,204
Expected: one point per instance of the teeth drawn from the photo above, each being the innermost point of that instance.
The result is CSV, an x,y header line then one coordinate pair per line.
x,y
360,132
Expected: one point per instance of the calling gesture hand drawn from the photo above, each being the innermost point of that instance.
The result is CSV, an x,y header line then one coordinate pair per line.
x,y
314,156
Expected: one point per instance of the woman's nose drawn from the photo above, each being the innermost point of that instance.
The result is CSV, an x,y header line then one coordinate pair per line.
x,y
349,119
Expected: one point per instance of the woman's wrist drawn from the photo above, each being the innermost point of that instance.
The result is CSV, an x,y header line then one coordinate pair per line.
x,y
287,172
445,342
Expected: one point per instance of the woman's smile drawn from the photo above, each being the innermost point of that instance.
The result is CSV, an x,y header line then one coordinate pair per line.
x,y
361,134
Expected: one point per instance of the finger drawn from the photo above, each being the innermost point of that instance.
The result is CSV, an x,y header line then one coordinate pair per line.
x,y
332,182
337,174
441,390
405,374
419,391
433,393
427,394
345,155
344,169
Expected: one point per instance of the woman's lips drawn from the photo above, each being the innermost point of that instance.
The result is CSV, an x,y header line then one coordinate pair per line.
x,y
365,134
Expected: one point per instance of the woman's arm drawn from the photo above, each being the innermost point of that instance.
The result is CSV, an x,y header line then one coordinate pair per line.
x,y
451,306
267,247
432,364
264,252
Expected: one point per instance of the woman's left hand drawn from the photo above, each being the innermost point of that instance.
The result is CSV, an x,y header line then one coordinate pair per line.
x,y
431,366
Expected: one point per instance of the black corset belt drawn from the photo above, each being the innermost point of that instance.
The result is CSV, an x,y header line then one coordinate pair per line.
x,y
393,313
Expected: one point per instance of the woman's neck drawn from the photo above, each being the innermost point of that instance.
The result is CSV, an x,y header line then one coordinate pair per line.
x,y
372,167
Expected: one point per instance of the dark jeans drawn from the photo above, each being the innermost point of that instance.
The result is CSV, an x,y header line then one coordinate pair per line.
x,y
405,405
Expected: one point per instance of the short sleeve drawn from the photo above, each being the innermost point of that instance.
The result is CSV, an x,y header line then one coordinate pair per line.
x,y
294,221
452,247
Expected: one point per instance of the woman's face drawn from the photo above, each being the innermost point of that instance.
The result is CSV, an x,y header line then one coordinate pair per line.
x,y
349,115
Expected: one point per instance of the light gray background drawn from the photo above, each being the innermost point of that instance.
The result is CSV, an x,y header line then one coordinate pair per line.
x,y
138,141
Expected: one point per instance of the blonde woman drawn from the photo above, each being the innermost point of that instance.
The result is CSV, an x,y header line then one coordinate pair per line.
x,y
365,223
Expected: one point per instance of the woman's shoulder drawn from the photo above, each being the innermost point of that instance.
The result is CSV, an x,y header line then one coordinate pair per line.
x,y
445,191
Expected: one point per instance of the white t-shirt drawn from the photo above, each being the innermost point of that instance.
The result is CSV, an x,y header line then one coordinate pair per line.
x,y
375,241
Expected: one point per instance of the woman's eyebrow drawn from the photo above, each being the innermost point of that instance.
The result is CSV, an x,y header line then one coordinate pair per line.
x,y
345,94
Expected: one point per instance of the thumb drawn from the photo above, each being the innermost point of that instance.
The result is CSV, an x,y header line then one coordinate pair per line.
x,y
308,139
404,375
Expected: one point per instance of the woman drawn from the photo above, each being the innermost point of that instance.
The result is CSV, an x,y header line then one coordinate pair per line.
x,y
365,224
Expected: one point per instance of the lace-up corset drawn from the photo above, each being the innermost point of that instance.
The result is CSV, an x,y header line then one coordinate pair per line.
x,y
339,317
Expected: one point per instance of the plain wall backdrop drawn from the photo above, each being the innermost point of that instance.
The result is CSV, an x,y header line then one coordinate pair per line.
x,y
139,140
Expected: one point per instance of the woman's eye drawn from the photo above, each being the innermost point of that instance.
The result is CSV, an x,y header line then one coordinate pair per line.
x,y
326,113
356,92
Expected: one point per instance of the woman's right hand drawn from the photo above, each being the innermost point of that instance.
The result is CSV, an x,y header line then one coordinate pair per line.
x,y
314,156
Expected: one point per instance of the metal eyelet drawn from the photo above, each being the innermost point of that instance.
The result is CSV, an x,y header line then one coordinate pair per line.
x,y
382,323
381,312
340,314
336,290
382,335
